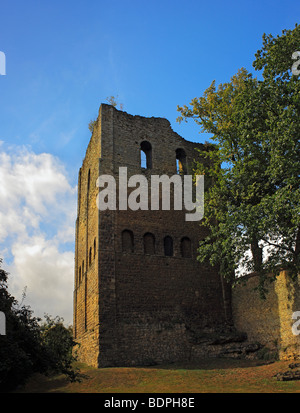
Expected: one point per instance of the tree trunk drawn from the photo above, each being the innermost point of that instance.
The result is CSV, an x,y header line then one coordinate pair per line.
x,y
256,254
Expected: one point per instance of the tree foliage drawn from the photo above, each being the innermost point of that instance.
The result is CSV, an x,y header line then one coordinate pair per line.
x,y
30,346
58,342
113,100
92,125
252,206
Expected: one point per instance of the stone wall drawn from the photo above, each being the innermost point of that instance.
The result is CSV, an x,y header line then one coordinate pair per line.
x,y
269,321
86,289
134,306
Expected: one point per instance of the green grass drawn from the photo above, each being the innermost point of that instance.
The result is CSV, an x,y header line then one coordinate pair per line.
x,y
205,376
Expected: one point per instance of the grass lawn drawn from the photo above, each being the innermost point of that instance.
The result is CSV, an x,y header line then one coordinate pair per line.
x,y
204,376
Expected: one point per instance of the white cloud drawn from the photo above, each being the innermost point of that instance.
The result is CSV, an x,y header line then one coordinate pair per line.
x,y
47,275
37,220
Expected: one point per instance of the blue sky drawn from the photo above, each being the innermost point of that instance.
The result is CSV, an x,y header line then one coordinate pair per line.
x,y
63,58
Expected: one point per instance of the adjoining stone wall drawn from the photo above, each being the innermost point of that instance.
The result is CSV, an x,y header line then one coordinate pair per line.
x,y
269,321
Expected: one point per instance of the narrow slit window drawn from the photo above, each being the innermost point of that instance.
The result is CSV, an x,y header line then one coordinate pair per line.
x,y
89,182
90,256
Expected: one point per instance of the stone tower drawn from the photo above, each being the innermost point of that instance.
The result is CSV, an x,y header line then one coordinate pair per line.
x,y
140,296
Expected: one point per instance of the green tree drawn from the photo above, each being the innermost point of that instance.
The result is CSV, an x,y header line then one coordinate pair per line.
x,y
252,200
58,342
20,351
29,346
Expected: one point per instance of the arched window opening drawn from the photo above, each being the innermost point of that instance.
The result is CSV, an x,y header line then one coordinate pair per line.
x,y
186,247
181,161
127,241
168,246
94,248
82,274
149,244
146,155
79,275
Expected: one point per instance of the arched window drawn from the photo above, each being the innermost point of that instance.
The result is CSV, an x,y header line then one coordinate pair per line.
x,y
94,248
127,241
79,275
168,246
146,155
186,247
149,244
181,161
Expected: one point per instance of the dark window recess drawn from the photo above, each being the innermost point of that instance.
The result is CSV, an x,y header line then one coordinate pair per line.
x,y
127,241
149,244
186,247
146,155
168,246
90,256
89,182
181,161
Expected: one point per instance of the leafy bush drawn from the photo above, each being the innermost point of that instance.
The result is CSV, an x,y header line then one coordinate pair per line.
x,y
30,346
58,343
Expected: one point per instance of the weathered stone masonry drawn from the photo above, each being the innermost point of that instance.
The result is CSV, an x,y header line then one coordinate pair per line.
x,y
140,294
269,321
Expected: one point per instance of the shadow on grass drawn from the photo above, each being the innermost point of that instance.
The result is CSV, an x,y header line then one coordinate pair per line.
x,y
208,375
39,383
210,364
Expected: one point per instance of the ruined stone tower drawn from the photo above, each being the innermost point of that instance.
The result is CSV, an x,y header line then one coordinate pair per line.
x,y
140,295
